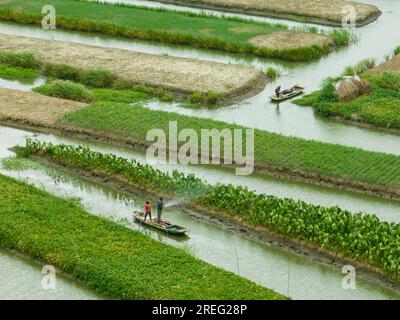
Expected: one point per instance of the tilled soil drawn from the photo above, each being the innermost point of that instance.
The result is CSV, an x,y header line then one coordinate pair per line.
x,y
33,108
327,12
391,65
232,82
289,39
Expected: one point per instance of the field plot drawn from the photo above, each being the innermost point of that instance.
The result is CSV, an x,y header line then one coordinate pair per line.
x,y
219,33
357,237
182,75
378,107
109,257
323,12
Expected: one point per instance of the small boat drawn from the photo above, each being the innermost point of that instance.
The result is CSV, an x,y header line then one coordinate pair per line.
x,y
163,226
297,89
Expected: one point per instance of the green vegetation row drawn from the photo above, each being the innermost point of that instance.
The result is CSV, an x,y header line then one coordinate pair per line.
x,y
23,75
289,153
380,108
358,236
109,257
200,31
17,66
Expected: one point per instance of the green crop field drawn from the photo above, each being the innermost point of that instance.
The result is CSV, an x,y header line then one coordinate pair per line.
x,y
228,34
270,149
109,257
380,108
22,75
358,236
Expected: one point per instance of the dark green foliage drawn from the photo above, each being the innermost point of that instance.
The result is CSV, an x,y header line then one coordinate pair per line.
x,y
106,256
358,236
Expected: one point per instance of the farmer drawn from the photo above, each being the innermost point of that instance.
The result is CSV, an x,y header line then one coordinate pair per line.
x,y
160,207
147,209
278,90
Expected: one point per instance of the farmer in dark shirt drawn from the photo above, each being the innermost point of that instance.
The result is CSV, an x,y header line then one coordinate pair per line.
x,y
160,207
278,90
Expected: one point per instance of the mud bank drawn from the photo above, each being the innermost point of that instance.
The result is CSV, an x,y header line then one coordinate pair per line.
x,y
225,221
182,75
326,12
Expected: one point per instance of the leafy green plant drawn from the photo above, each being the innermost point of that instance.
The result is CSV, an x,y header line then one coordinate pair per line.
x,y
312,158
389,80
23,60
22,75
196,97
360,67
97,78
106,256
272,73
212,98
360,237
65,89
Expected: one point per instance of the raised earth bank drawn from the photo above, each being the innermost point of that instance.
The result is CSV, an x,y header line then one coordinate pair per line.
x,y
182,28
354,238
275,155
182,75
327,12
107,256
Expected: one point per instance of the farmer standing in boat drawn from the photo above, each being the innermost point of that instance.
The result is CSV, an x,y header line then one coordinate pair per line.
x,y
147,209
278,90
160,207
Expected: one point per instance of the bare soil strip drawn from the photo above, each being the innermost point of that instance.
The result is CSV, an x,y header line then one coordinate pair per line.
x,y
289,39
182,75
326,12
34,108
392,64
223,220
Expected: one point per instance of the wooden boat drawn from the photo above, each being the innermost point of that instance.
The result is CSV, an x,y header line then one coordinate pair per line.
x,y
283,96
163,226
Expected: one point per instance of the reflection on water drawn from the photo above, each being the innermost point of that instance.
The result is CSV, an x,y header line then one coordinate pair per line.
x,y
16,85
267,266
21,279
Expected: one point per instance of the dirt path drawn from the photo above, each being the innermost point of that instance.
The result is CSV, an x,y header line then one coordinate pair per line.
x,y
232,82
391,65
327,12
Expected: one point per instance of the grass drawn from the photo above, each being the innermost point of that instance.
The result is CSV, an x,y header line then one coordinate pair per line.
x,y
381,108
109,257
108,84
360,67
66,89
288,153
22,75
197,30
272,73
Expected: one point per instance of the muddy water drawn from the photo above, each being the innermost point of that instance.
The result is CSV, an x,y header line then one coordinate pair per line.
x,y
375,41
284,272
